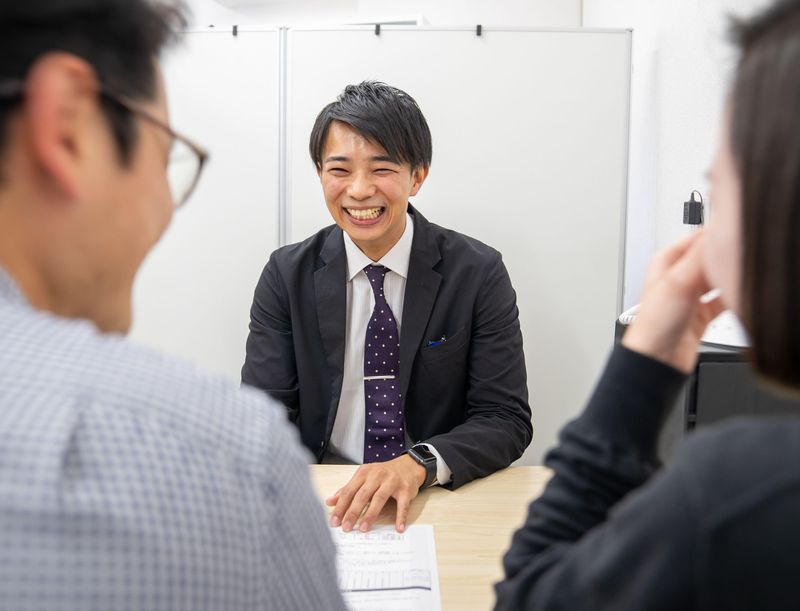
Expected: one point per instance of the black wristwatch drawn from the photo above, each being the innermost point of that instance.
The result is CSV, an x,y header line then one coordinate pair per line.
x,y
423,456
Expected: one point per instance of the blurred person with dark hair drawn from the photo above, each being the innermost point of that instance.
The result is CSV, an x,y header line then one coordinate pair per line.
x,y
718,528
393,343
128,480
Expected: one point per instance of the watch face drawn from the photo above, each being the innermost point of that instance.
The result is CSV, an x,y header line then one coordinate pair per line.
x,y
424,454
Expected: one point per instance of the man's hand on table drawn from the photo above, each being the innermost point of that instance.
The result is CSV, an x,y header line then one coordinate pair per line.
x,y
372,485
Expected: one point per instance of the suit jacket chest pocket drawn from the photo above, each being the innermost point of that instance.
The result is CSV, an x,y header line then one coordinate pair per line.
x,y
451,352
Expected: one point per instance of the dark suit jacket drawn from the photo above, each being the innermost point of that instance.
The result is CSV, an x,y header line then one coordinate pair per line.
x,y
467,397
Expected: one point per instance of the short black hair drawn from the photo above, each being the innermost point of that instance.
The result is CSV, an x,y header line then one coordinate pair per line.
x,y
765,142
382,114
121,39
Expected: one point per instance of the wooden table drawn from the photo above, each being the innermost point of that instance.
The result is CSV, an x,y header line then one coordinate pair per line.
x,y
473,526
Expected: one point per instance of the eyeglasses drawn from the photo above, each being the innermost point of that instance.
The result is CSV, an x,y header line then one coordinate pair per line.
x,y
186,159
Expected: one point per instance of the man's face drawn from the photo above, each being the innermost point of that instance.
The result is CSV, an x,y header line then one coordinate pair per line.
x,y
366,192
77,221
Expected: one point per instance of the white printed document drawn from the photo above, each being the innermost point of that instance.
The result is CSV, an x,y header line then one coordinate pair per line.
x,y
383,570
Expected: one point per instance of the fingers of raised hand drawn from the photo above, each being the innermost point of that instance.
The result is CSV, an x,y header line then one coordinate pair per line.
x,y
666,258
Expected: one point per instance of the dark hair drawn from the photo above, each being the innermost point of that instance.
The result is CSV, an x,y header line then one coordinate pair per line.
x,y
382,114
765,141
121,39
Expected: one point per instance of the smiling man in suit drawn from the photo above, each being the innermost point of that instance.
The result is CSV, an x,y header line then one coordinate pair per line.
x,y
393,343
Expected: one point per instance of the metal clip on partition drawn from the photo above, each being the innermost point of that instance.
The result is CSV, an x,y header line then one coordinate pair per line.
x,y
377,29
479,30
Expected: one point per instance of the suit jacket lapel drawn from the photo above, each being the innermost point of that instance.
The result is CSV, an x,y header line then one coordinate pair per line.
x,y
330,283
422,287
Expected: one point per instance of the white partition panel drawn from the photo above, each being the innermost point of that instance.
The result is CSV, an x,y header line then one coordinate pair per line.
x,y
194,292
530,132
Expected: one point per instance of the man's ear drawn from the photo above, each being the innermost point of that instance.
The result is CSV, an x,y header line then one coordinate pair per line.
x,y
60,95
418,177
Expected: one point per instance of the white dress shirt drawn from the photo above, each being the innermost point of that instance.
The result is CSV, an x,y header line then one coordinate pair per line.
x,y
347,437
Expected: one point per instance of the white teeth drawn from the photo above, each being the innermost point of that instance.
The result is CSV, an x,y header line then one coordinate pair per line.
x,y
364,215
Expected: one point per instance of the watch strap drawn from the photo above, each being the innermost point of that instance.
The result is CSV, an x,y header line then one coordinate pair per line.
x,y
426,459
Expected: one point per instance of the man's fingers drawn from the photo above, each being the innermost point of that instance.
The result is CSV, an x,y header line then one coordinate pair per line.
x,y
332,499
341,504
345,497
357,506
372,486
375,505
403,506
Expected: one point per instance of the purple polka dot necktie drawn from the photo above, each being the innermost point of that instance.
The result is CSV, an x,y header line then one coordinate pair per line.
x,y
384,433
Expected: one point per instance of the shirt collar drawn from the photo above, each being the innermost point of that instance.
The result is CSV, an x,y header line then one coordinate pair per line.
x,y
9,291
396,259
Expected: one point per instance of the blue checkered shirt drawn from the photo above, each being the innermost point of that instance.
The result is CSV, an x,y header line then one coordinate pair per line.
x,y
129,480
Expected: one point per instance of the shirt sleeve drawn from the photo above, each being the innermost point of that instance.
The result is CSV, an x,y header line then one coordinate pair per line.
x,y
610,530
443,473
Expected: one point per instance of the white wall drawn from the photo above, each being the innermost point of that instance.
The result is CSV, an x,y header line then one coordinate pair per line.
x,y
193,294
208,12
681,65
524,13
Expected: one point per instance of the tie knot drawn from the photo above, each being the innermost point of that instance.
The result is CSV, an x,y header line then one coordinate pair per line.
x,y
376,274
